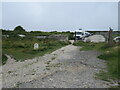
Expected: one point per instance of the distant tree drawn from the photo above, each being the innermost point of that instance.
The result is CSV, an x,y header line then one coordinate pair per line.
x,y
19,29
80,28
68,31
53,31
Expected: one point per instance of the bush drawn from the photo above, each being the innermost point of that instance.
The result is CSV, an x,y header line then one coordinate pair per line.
x,y
19,29
70,36
4,59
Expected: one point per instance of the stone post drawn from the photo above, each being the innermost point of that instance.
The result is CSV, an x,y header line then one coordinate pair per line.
x,y
75,36
110,39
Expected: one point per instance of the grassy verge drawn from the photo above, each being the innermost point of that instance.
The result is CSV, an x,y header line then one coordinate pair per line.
x,y
22,49
89,46
110,54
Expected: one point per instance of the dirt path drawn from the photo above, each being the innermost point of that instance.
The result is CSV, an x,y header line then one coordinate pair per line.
x,y
67,67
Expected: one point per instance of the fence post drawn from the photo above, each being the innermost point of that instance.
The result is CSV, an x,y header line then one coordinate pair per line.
x,y
75,36
110,39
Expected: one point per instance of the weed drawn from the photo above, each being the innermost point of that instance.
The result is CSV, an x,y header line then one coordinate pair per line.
x,y
48,62
47,68
53,58
10,72
4,59
33,72
17,85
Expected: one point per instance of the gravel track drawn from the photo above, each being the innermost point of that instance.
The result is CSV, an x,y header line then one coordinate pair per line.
x,y
67,67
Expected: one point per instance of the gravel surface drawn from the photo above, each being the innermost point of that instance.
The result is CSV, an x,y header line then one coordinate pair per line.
x,y
67,67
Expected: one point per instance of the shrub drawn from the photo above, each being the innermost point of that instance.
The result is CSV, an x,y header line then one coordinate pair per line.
x,y
19,29
4,59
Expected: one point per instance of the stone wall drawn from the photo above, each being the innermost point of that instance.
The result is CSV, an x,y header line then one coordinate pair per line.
x,y
59,37
105,34
56,37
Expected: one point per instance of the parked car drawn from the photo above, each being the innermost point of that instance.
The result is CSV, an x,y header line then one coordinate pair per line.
x,y
117,39
80,35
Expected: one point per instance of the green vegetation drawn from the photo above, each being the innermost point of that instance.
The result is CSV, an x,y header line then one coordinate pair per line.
x,y
110,54
22,48
53,58
19,29
4,59
10,72
89,46
115,35
31,34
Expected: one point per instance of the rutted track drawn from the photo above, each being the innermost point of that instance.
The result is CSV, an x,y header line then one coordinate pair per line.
x,y
67,67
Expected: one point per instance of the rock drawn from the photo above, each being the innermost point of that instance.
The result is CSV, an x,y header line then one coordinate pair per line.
x,y
86,40
51,79
95,39
116,84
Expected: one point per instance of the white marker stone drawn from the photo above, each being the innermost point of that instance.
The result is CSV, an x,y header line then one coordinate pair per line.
x,y
36,46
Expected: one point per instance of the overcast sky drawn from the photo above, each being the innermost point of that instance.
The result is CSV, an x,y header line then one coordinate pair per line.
x,y
60,16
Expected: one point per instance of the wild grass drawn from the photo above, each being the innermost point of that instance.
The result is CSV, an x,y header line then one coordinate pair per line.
x,y
111,55
23,48
88,45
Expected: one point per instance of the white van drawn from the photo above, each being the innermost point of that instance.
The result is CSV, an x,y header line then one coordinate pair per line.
x,y
80,35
